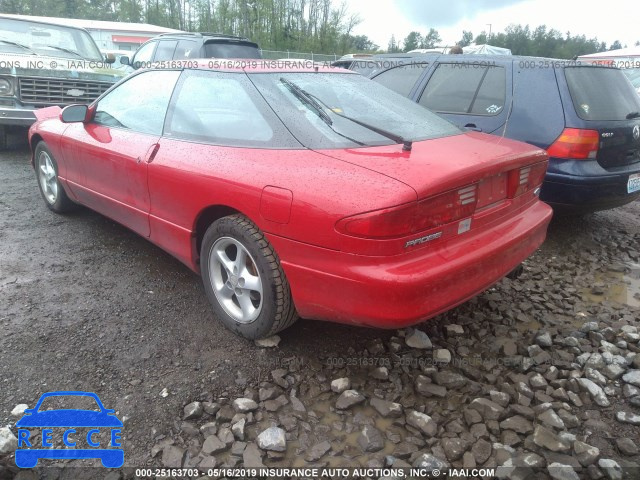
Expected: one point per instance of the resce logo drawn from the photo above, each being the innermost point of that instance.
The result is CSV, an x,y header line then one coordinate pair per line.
x,y
27,455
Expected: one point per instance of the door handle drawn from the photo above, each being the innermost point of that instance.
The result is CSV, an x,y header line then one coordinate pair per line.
x,y
473,127
151,153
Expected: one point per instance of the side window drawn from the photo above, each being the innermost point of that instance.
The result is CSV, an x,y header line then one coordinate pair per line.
x,y
186,49
491,96
218,108
465,88
144,54
139,104
165,50
401,79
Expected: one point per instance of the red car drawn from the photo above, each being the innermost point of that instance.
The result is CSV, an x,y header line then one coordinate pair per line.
x,y
311,192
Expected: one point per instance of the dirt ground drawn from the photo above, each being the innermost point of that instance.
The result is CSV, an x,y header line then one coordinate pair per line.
x,y
88,305
85,304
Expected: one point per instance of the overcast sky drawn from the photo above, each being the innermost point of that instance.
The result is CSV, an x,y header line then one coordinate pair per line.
x,y
610,20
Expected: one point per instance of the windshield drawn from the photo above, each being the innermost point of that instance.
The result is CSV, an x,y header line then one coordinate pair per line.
x,y
20,36
600,93
347,95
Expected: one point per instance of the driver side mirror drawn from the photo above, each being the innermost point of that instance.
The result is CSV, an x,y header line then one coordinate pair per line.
x,y
110,58
74,113
124,60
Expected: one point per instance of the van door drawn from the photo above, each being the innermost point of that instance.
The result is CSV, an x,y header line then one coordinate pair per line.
x,y
472,94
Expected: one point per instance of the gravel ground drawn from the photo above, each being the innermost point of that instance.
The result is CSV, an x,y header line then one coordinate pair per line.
x,y
532,375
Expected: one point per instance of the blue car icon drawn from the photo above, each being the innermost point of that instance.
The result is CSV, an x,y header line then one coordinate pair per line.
x,y
27,457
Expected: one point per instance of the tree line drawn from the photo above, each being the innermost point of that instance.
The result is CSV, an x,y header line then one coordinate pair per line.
x,y
521,40
319,26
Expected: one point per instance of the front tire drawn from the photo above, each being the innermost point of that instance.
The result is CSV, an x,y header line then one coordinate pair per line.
x,y
244,280
50,187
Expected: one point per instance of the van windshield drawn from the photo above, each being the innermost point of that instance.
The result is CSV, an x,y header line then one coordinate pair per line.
x,y
23,36
600,93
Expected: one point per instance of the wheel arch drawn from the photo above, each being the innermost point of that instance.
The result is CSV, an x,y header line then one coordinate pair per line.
x,y
203,221
33,143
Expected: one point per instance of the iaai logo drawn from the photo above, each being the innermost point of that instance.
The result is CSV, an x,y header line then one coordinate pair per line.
x,y
101,440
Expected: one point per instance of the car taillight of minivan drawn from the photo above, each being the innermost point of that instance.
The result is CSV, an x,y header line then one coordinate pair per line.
x,y
524,179
412,217
575,144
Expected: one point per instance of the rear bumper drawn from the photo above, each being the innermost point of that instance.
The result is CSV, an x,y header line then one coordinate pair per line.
x,y
394,292
584,186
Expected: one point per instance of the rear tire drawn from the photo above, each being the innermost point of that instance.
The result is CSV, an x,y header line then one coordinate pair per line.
x,y
50,187
244,280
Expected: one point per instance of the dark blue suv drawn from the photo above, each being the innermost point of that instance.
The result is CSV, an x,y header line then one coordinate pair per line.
x,y
587,117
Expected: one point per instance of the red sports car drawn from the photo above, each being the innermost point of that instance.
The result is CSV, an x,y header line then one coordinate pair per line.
x,y
312,192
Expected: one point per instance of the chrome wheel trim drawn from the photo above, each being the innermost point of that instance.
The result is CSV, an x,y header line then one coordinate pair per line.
x,y
48,178
235,280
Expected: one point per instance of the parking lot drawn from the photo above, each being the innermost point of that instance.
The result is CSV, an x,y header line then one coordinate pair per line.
x,y
89,305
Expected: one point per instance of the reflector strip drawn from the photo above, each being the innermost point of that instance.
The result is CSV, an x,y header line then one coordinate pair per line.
x,y
467,195
524,175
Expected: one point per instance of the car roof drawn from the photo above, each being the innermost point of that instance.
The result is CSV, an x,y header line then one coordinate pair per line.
x,y
205,36
474,58
255,65
37,20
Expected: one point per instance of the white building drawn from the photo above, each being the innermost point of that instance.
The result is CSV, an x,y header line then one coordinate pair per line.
x,y
108,35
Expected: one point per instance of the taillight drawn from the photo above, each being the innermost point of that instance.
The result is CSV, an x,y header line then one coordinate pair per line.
x,y
386,223
575,143
524,179
413,217
446,208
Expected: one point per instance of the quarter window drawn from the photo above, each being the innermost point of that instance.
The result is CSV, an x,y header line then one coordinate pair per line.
x,y
186,49
222,109
466,88
139,104
165,50
401,79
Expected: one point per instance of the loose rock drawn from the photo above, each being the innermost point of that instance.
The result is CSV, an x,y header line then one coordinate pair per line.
x,y
339,385
318,451
270,342
418,339
273,439
193,410
543,437
370,439
610,468
348,399
19,409
244,405
595,391
422,422
626,417
385,408
8,441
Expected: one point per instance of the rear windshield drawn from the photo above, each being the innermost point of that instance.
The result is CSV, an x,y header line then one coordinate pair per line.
x,y
601,93
231,50
347,95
